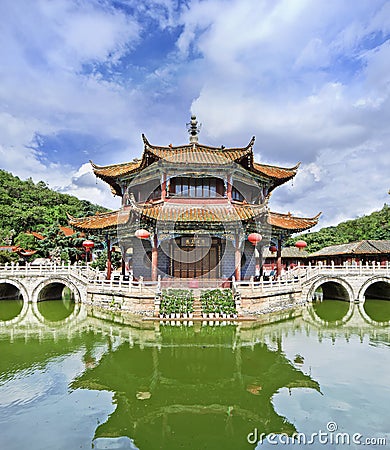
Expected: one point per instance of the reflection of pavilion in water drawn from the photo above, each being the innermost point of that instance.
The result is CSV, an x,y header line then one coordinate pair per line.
x,y
199,381
178,384
172,385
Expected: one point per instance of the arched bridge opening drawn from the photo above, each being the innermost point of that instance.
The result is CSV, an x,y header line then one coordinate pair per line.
x,y
11,301
332,290
55,291
377,301
56,301
379,290
332,300
9,291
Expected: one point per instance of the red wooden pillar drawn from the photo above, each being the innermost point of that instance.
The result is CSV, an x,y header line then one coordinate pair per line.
x,y
279,258
164,187
229,187
109,266
154,258
237,259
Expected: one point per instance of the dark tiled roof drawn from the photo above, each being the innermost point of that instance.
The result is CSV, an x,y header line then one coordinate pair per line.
x,y
287,252
368,247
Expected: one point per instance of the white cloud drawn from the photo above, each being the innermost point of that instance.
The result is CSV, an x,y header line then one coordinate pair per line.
x,y
310,79
313,84
86,186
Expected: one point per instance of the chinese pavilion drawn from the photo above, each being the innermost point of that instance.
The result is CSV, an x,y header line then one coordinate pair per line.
x,y
187,211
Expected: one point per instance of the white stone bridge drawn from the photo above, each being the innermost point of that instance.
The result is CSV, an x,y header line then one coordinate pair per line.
x,y
35,283
352,283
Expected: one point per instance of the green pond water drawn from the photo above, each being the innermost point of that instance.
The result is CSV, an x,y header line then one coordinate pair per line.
x,y
74,378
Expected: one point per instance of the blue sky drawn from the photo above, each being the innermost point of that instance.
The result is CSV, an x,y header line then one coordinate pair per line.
x,y
82,79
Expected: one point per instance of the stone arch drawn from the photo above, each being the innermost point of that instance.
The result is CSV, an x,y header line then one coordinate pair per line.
x,y
57,282
334,286
23,292
371,281
18,285
58,324
369,320
318,320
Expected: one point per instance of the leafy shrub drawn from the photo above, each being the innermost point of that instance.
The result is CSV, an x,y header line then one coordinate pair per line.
x,y
176,301
218,301
8,257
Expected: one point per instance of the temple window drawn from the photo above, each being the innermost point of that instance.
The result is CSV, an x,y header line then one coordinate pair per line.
x,y
248,191
236,195
146,191
196,187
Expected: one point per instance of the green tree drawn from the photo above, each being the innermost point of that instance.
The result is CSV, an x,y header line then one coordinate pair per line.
x,y
8,257
26,241
101,261
373,226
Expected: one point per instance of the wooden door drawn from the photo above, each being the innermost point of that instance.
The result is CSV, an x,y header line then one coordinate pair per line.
x,y
186,267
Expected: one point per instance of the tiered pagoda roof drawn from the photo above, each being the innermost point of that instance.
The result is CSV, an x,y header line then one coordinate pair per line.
x,y
194,154
200,156
171,212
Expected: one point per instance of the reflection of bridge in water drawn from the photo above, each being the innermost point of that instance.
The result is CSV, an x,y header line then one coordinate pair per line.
x,y
30,322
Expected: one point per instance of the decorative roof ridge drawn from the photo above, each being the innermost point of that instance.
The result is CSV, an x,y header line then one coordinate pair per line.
x,y
191,145
98,214
110,166
289,215
296,167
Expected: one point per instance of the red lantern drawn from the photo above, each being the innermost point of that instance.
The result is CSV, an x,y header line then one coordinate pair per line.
x,y
88,245
273,249
255,238
301,245
142,234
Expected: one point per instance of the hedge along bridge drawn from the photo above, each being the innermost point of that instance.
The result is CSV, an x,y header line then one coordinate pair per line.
x,y
352,283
